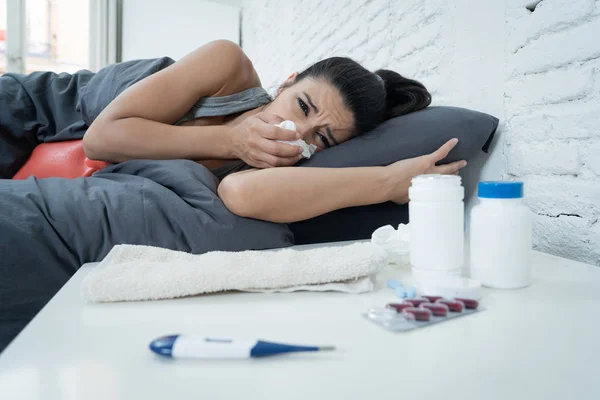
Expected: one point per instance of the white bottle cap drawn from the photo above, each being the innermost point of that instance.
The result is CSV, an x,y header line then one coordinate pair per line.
x,y
436,187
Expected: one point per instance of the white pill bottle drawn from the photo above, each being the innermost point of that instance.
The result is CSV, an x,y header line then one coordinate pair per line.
x,y
500,236
436,216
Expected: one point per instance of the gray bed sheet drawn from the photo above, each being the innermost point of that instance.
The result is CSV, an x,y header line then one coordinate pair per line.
x,y
50,227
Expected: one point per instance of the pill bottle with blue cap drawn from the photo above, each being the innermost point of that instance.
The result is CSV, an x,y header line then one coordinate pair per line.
x,y
500,236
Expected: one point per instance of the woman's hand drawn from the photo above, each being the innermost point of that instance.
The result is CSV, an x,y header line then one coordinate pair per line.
x,y
254,142
402,172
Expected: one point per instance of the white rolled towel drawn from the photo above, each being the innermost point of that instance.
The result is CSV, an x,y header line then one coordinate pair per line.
x,y
131,272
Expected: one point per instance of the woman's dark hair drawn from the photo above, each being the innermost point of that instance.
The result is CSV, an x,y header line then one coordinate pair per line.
x,y
371,97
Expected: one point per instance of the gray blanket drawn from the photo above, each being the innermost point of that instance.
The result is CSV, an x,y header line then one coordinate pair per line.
x,y
49,227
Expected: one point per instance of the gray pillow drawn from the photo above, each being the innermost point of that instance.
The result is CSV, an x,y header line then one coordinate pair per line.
x,y
408,136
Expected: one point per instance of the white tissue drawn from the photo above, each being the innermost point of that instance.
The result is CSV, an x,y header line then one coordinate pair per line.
x,y
307,150
395,242
289,125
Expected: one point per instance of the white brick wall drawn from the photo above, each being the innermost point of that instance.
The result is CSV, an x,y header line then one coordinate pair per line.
x,y
538,71
552,108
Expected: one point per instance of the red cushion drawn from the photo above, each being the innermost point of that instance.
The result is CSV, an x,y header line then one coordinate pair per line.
x,y
59,159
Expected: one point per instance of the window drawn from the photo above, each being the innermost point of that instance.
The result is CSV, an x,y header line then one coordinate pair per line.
x,y
58,35
2,36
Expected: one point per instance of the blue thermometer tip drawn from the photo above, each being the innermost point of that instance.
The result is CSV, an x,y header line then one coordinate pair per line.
x,y
263,348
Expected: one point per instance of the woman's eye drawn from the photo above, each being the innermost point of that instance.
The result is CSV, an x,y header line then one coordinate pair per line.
x,y
324,140
303,106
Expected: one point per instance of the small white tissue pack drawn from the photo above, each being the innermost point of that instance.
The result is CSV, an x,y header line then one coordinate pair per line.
x,y
395,242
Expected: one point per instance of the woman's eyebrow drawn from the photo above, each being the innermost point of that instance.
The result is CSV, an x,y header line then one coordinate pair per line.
x,y
311,103
330,135
316,111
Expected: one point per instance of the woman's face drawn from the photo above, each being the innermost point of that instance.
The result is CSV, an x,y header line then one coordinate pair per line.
x,y
317,109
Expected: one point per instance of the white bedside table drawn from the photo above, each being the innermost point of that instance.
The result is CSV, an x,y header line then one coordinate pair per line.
x,y
541,342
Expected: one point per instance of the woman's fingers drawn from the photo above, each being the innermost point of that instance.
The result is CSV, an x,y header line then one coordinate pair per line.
x,y
269,118
261,165
268,128
443,151
274,132
279,149
447,169
256,142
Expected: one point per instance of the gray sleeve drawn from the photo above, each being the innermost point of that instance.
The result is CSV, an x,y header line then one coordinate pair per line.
x,y
110,81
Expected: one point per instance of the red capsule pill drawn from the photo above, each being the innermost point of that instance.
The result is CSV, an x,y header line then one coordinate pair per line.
x,y
469,303
398,306
439,310
432,299
416,314
416,302
453,305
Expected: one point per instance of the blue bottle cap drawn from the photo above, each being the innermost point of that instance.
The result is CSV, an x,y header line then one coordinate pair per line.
x,y
500,190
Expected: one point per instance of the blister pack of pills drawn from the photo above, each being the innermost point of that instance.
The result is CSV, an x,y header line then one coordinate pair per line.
x,y
420,312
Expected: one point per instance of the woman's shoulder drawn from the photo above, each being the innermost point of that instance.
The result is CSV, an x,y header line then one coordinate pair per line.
x,y
236,64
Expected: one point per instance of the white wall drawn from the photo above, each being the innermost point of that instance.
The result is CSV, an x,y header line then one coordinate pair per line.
x,y
539,72
552,102
156,28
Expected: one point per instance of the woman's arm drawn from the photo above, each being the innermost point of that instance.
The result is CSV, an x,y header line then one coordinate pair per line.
x,y
291,194
139,122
